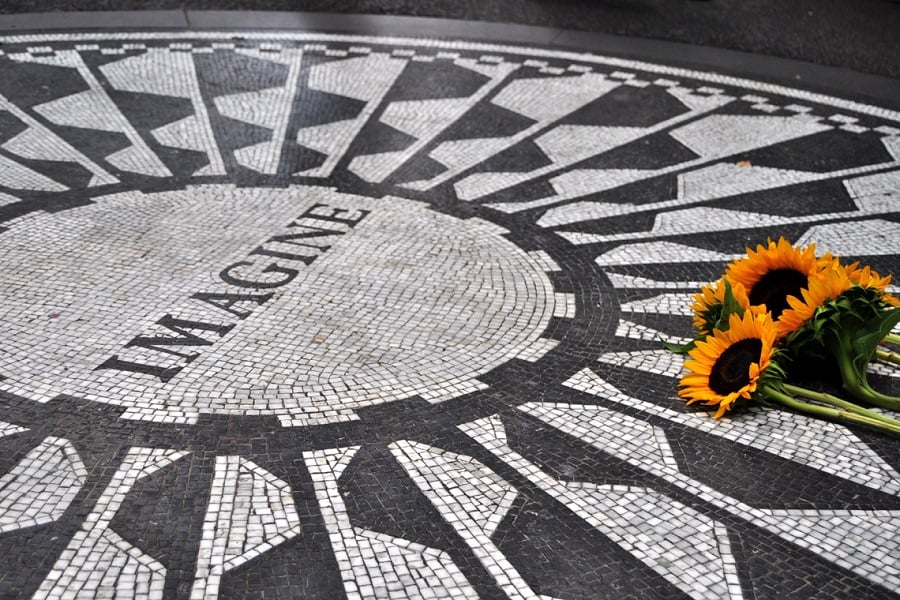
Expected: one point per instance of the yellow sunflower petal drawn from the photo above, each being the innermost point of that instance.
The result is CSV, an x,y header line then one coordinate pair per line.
x,y
774,272
824,286
866,277
712,295
707,380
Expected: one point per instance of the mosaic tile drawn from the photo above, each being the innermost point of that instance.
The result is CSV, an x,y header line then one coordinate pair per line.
x,y
366,79
376,564
299,314
252,512
828,447
675,541
98,560
40,488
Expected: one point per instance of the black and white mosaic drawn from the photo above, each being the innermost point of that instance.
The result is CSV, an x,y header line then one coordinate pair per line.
x,y
295,315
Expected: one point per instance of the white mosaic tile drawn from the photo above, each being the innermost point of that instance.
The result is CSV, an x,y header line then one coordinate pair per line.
x,y
470,497
657,362
626,282
544,260
423,322
699,103
709,220
542,100
677,542
720,180
250,512
578,182
94,109
10,429
537,350
41,486
659,252
366,78
766,108
426,119
636,331
862,541
848,537
376,564
565,306
884,369
269,108
563,145
872,237
37,141
567,145
6,199
617,434
17,176
854,128
825,446
97,556
870,192
171,74
662,304
450,392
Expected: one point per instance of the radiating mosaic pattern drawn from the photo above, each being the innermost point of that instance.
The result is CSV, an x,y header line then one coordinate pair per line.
x,y
307,316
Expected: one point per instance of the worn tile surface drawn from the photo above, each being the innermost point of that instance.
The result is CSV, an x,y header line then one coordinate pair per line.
x,y
301,316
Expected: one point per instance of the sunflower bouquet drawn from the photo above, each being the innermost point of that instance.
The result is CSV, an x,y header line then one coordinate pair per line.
x,y
781,307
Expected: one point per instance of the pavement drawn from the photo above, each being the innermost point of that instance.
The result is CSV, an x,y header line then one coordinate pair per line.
x,y
859,35
317,305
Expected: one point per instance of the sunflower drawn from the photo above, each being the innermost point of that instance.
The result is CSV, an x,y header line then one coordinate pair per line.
x,y
709,303
728,364
867,278
822,287
773,273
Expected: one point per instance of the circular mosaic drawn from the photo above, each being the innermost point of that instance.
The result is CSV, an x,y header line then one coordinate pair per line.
x,y
320,316
353,301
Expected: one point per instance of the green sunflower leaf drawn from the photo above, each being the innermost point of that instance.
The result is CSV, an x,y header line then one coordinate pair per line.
x,y
678,348
730,305
872,332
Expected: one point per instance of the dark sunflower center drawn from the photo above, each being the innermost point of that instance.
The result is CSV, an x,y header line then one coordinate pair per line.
x,y
732,369
774,287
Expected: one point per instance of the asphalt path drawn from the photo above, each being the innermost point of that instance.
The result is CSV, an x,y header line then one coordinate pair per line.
x,y
861,35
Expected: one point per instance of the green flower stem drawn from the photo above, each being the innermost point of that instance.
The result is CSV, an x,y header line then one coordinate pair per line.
x,y
824,398
888,356
828,412
855,383
892,339
853,375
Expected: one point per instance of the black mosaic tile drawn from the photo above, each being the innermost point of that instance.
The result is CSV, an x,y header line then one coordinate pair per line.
x,y
164,514
819,153
760,480
620,108
299,568
487,120
794,573
298,315
580,564
651,152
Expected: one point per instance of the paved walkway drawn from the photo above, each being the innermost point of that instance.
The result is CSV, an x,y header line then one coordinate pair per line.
x,y
290,314
861,35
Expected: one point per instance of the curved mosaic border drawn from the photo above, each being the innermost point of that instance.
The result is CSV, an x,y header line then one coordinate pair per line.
x,y
630,183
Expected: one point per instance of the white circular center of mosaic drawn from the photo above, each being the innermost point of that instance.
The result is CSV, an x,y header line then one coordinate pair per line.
x,y
304,303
